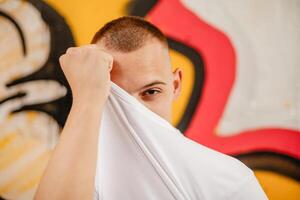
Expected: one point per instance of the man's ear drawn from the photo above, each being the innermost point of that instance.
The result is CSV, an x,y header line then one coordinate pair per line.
x,y
177,80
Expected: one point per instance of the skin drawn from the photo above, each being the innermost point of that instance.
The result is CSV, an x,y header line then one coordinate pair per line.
x,y
145,73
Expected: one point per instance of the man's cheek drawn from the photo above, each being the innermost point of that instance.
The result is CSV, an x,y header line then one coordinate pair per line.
x,y
164,104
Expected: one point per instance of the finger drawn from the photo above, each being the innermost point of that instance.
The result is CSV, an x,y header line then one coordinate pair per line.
x,y
91,46
61,58
73,50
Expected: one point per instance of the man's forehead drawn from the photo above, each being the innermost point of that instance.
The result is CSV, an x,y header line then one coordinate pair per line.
x,y
135,79
147,65
151,58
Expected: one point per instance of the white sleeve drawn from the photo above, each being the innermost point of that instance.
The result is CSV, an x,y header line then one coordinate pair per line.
x,y
249,189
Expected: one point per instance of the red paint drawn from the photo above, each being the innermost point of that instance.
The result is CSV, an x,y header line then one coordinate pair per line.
x,y
219,57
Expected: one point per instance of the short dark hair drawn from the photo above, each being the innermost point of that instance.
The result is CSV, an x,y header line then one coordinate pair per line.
x,y
128,33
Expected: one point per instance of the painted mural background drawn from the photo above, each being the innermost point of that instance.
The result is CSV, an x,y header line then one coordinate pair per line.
x,y
241,91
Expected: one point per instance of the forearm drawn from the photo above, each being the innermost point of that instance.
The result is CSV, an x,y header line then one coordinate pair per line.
x,y
70,173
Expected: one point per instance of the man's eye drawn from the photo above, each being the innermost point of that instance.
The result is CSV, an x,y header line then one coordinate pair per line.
x,y
150,92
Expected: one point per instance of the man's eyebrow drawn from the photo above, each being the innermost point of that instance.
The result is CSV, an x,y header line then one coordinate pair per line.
x,y
154,83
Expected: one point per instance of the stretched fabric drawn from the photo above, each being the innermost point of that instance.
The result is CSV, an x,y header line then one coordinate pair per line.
x,y
141,156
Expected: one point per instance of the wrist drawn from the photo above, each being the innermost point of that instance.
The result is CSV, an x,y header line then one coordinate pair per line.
x,y
92,101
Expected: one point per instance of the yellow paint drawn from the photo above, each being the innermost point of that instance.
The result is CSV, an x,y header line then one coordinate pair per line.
x,y
10,117
31,183
7,139
278,187
34,180
31,116
14,150
11,56
85,18
34,168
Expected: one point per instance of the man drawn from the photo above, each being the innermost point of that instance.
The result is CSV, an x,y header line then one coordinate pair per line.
x,y
132,53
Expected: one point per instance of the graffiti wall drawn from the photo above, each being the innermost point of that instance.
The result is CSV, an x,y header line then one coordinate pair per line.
x,y
240,96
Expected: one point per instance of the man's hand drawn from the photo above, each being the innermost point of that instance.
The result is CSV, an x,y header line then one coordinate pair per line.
x,y
87,71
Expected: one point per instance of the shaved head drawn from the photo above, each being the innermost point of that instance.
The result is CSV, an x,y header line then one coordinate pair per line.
x,y
141,62
127,34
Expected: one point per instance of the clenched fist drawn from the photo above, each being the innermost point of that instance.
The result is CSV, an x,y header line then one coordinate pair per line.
x,y
87,70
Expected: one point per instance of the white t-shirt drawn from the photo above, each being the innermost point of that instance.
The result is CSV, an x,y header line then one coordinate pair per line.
x,y
142,156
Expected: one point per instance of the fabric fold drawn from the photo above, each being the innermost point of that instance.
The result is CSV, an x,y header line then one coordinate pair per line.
x,y
142,156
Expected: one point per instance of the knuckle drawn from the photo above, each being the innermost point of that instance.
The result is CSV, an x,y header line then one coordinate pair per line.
x,y
62,58
72,50
92,46
69,49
